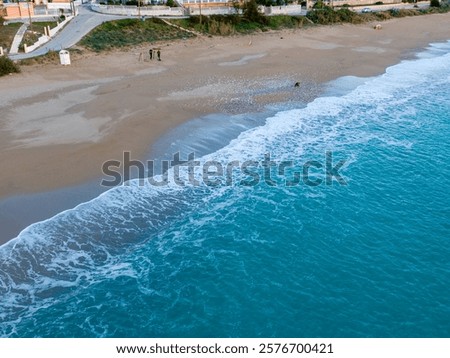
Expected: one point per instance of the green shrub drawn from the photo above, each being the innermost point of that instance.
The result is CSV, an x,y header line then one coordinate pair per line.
x,y
7,66
435,3
265,2
347,15
408,12
220,28
383,15
322,14
319,5
285,21
325,15
252,14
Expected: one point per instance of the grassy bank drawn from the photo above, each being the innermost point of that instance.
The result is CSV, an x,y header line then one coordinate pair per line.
x,y
130,32
224,25
7,33
50,58
327,16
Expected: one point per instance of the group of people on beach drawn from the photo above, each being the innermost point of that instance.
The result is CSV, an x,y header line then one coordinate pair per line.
x,y
158,54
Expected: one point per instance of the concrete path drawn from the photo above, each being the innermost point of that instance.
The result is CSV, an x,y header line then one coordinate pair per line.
x,y
18,39
74,31
179,27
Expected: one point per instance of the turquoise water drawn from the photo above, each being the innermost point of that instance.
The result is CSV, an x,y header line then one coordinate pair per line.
x,y
367,259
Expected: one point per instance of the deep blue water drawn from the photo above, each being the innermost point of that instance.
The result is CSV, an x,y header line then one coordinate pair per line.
x,y
367,259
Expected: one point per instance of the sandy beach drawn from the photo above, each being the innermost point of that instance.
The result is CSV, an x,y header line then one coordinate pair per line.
x,y
59,124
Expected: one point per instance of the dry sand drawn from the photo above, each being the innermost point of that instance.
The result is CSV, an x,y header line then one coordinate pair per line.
x,y
59,124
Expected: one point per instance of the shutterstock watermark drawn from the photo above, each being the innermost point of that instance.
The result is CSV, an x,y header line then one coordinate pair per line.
x,y
212,173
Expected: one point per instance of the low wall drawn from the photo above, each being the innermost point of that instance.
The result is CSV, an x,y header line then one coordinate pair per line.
x,y
363,2
267,10
60,26
285,10
134,11
59,5
43,39
207,3
192,10
212,11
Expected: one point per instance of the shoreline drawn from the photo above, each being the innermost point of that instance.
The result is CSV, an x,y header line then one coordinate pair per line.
x,y
20,211
62,124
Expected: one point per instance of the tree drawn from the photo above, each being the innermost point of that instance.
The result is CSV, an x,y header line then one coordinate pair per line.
x,y
252,14
236,6
435,3
319,5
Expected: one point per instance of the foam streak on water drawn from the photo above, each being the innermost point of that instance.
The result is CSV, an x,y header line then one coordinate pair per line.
x,y
362,260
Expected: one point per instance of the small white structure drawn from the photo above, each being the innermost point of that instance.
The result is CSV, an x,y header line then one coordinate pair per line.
x,y
1,51
64,57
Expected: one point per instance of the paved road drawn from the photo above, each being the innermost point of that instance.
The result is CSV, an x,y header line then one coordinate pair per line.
x,y
421,5
72,33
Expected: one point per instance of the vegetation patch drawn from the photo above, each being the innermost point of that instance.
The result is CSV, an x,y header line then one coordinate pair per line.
x,y
325,15
7,66
286,22
29,38
130,32
51,57
7,33
224,25
435,3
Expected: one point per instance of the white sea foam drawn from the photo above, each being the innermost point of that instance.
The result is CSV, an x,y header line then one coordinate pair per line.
x,y
243,61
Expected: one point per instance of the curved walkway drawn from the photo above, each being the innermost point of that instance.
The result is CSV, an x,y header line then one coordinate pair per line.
x,y
75,30
18,39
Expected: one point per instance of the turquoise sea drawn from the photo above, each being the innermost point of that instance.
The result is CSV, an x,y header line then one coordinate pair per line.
x,y
367,259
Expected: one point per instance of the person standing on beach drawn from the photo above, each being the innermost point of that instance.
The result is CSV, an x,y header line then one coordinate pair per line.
x,y
158,53
150,52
